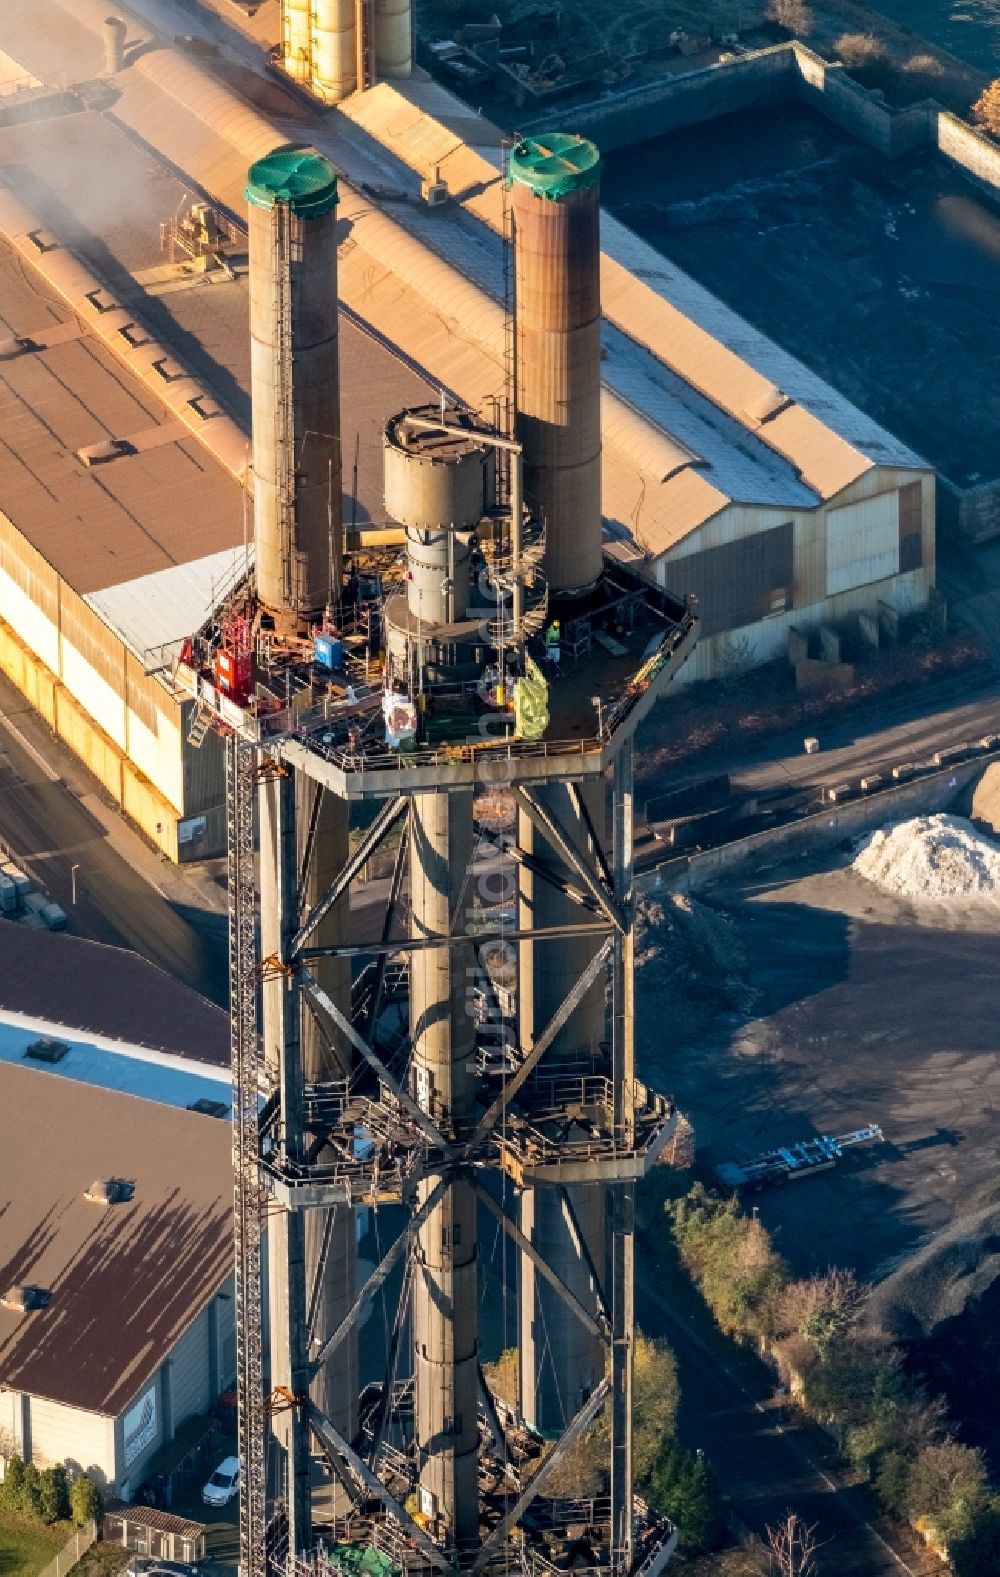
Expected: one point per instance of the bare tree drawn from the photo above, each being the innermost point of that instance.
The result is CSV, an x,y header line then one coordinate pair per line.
x,y
793,15
986,110
791,1547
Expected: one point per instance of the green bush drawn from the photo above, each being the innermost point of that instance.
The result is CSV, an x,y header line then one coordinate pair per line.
x,y
976,1553
947,1488
55,1494
31,1504
13,1484
683,1485
731,1258
85,1500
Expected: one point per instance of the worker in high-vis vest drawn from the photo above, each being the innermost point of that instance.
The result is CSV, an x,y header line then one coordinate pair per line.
x,y
553,645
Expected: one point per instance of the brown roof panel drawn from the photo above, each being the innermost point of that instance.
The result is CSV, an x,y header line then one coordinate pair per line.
x,y
126,1280
87,986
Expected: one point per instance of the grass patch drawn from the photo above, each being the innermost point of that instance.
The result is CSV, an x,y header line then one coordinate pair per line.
x,y
25,1550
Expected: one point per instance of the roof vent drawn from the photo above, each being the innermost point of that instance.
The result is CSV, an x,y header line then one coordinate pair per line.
x,y
767,406
205,407
133,335
110,449
110,1191
25,1298
101,300
16,345
168,370
47,1050
44,240
209,1108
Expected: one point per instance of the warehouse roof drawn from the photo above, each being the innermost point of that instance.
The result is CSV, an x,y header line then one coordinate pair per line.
x,y
89,988
165,503
124,1280
699,409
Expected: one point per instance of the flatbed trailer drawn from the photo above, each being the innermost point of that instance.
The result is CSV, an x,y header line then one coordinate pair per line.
x,y
788,1163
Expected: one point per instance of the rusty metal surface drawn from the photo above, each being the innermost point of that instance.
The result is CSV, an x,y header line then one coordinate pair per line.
x,y
558,318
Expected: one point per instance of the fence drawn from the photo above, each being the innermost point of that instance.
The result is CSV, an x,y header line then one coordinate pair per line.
x,y
72,1552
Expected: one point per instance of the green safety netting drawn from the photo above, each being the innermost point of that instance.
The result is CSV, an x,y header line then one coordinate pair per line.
x,y
300,177
361,1560
554,165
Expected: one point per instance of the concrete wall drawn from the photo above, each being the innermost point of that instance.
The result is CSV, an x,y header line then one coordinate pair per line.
x,y
769,76
934,791
766,76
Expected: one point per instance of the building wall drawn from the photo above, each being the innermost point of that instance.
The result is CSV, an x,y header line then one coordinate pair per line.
x,y
124,724
873,543
68,1434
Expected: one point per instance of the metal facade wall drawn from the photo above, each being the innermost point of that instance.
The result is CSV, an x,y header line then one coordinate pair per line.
x,y
862,542
738,582
68,1434
190,1373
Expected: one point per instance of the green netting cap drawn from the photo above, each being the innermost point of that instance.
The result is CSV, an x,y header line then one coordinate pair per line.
x,y
555,165
300,177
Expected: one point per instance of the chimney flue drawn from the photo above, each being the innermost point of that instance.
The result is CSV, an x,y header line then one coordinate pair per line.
x,y
115,29
555,200
292,202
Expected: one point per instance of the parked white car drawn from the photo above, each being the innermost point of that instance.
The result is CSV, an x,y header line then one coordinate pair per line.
x,y
224,1484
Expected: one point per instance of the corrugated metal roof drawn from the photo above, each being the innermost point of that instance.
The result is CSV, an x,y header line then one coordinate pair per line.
x,y
107,991
660,308
126,1280
154,613
97,526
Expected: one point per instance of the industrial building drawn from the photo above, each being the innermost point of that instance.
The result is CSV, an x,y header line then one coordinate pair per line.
x,y
453,674
728,470
117,1315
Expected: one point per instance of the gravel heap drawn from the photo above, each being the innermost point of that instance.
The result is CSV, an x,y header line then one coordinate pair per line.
x,y
931,857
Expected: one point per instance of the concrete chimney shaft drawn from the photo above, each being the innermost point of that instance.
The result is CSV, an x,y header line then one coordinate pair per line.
x,y
292,199
556,209
115,29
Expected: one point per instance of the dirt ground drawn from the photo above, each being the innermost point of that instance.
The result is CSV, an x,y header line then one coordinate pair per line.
x,y
866,1008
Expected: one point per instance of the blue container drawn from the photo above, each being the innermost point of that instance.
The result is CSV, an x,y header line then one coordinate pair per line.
x,y
328,651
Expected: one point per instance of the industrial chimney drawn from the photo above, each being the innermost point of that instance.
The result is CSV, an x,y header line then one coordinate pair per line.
x,y
292,198
115,29
556,211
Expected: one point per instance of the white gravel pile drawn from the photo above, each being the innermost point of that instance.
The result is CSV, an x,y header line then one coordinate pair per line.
x,y
931,857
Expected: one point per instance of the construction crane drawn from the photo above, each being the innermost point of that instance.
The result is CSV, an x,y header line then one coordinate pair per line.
x,y
790,1162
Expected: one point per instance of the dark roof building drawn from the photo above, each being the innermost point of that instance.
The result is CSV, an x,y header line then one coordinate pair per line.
x,y
87,987
116,1314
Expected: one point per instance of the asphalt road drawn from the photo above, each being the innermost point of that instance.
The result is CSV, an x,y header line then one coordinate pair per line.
x,y
53,818
878,735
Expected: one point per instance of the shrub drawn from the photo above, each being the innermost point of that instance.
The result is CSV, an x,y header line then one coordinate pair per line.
x,y
684,1486
860,52
85,1500
793,15
13,1484
731,1258
946,1487
977,1553
55,1494
31,1504
986,110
